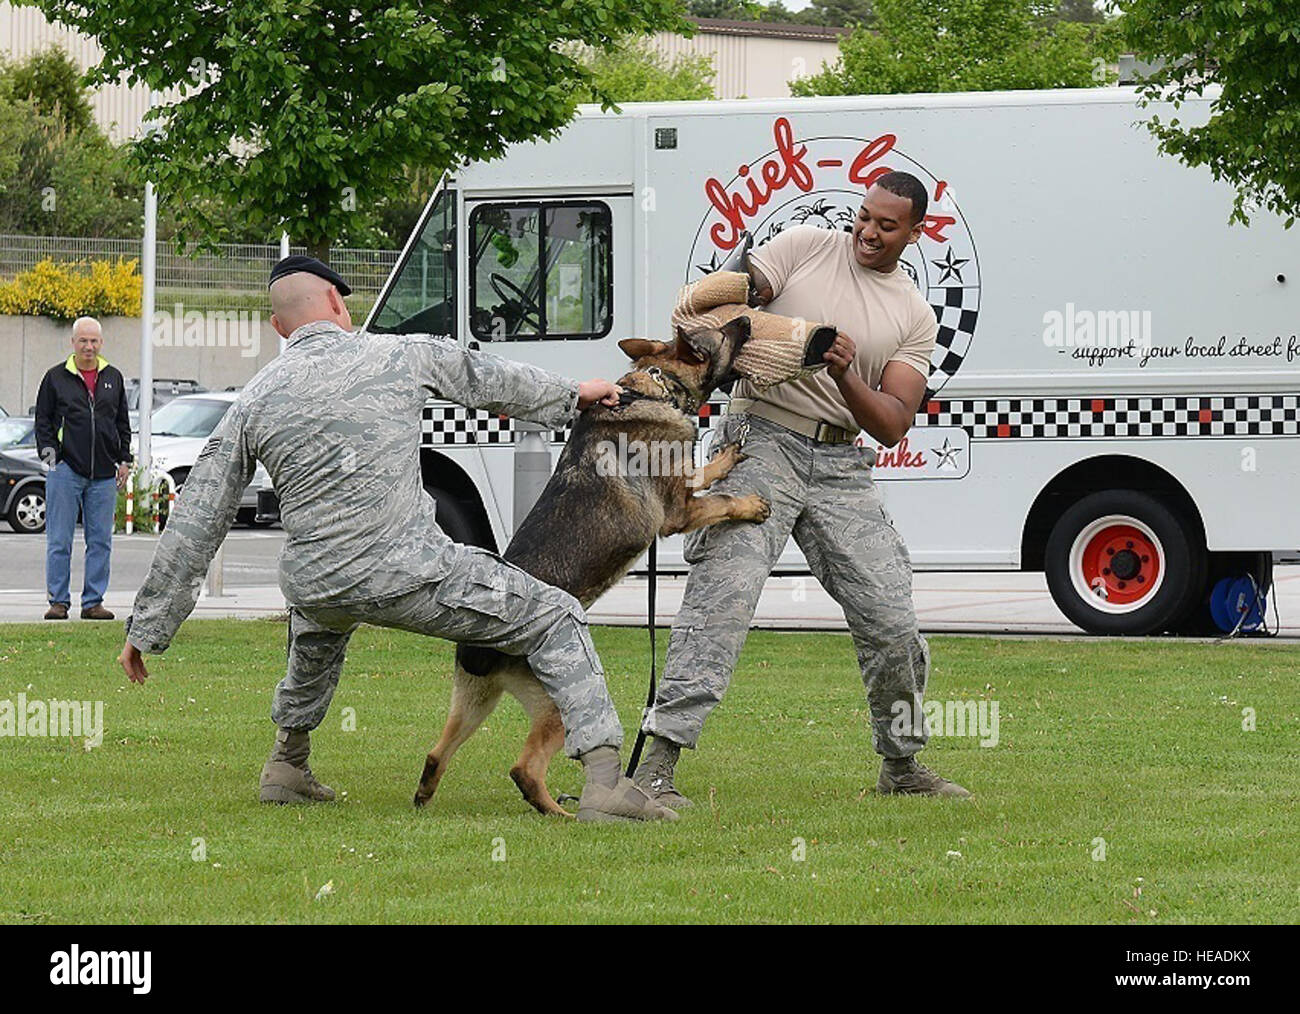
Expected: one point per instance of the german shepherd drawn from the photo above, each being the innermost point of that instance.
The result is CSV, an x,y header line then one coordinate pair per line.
x,y
588,528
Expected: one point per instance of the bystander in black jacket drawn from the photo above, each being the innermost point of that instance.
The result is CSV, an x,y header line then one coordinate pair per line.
x,y
93,435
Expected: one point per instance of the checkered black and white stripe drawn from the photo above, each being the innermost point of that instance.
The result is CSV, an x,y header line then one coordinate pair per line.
x,y
956,308
443,424
1220,415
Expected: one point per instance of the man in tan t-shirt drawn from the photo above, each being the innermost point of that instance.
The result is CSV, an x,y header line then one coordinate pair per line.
x,y
798,439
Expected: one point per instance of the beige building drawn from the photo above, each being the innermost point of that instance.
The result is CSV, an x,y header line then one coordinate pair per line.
x,y
755,59
751,59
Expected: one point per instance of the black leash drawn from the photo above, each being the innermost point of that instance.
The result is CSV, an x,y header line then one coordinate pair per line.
x,y
635,758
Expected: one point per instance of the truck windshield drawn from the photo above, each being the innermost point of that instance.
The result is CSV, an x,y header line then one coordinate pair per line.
x,y
422,300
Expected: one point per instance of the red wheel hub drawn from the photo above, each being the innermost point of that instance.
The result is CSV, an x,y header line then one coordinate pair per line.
x,y
1121,561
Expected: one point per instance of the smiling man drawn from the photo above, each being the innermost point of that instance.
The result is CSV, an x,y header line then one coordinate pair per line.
x,y
798,439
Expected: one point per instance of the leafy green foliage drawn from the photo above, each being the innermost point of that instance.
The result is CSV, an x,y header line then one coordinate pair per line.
x,y
1251,51
636,73
59,174
52,81
821,12
305,114
840,13
1079,10
965,45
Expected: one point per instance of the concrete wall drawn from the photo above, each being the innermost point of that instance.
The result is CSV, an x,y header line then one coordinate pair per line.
x,y
31,345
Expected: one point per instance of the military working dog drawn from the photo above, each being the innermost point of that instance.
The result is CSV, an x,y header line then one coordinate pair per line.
x,y
592,522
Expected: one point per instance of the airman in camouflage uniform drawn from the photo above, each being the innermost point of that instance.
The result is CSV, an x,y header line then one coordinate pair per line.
x,y
823,495
336,421
801,457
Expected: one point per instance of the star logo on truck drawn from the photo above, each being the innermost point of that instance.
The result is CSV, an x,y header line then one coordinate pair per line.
x,y
946,456
950,266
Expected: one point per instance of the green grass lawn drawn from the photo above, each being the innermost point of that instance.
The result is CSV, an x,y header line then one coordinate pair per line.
x,y
1140,744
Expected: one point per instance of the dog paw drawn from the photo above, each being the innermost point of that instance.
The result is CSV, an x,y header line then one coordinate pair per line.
x,y
729,455
759,510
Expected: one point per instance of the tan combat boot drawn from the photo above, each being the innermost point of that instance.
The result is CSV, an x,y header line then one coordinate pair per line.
x,y
609,797
909,777
286,778
654,775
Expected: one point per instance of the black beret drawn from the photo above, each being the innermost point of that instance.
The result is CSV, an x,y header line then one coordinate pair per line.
x,y
292,265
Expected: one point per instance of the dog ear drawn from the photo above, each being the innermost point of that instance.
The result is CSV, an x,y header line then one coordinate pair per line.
x,y
639,348
693,347
738,330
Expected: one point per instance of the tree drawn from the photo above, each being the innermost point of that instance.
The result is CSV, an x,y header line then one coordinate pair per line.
x,y
52,81
60,182
305,113
963,45
1079,10
731,10
59,174
636,73
1250,50
839,13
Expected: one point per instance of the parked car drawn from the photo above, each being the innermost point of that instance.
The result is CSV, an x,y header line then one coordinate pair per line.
x,y
22,493
17,431
181,428
165,389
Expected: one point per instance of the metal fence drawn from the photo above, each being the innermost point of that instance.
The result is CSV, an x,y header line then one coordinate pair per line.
x,y
234,267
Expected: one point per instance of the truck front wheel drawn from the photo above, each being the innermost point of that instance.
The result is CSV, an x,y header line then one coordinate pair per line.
x,y
1123,562
455,518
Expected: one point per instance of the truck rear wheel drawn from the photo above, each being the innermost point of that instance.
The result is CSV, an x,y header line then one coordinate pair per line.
x,y
1123,562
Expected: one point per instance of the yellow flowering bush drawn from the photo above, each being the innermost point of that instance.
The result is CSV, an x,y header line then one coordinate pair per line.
x,y
71,290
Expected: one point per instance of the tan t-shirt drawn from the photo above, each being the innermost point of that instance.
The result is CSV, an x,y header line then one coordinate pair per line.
x,y
815,276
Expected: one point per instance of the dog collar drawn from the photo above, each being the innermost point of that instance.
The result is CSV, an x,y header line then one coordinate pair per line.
x,y
662,380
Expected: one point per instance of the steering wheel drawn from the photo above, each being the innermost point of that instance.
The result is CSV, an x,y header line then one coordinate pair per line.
x,y
529,311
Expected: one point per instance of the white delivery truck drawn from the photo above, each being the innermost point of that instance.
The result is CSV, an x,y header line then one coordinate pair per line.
x,y
1115,394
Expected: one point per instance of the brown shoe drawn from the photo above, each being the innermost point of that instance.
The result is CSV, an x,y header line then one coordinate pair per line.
x,y
57,611
95,612
916,779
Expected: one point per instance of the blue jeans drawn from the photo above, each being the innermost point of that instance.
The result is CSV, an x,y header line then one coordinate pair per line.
x,y
65,492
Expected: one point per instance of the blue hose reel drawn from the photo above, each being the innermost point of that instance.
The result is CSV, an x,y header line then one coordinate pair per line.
x,y
1237,605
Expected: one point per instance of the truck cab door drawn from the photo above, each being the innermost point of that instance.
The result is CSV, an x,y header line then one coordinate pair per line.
x,y
544,284
421,296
